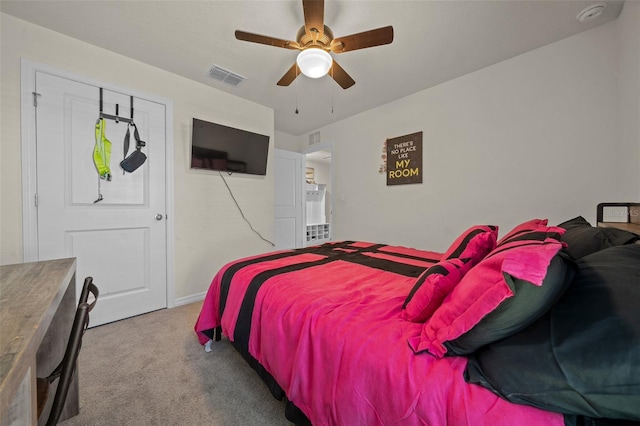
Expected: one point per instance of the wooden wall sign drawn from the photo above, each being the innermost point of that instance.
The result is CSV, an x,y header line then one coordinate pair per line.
x,y
404,159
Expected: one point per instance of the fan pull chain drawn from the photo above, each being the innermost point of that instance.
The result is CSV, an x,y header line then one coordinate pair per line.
x,y
297,90
332,89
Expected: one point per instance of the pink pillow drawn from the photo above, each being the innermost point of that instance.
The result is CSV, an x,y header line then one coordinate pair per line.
x,y
484,288
431,287
473,244
530,225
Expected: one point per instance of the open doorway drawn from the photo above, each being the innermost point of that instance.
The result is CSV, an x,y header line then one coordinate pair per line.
x,y
318,195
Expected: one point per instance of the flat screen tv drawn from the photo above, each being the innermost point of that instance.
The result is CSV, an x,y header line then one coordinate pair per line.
x,y
226,149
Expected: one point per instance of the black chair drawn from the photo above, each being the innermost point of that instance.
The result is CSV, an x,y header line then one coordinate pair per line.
x,y
64,371
89,288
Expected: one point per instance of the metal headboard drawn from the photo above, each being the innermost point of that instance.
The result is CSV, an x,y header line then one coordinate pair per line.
x,y
620,215
619,212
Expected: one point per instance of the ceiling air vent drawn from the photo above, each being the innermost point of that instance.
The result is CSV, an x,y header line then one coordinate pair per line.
x,y
314,138
225,76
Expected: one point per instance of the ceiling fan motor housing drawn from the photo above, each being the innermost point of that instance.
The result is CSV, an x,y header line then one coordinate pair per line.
x,y
315,38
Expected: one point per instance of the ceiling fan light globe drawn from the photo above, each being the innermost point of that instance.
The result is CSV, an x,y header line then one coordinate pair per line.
x,y
314,62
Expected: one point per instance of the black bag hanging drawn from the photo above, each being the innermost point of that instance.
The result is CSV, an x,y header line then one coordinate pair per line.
x,y
137,157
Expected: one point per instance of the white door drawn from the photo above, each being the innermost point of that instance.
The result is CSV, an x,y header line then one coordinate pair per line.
x,y
288,199
120,240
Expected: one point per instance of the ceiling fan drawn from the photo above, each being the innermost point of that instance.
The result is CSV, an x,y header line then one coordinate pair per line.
x,y
315,40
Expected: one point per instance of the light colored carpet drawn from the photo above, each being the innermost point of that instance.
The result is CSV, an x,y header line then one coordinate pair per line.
x,y
151,370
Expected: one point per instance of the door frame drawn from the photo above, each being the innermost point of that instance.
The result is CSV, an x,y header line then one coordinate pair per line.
x,y
28,71
323,146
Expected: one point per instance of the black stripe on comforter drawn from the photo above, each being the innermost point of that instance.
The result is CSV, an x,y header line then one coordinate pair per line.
x,y
332,252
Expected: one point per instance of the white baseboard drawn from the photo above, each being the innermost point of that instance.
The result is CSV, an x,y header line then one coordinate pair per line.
x,y
190,299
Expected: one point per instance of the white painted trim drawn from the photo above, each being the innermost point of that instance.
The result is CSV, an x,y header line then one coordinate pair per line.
x,y
198,297
29,169
169,201
28,148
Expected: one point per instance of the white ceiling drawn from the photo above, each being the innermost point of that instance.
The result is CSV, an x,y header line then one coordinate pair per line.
x,y
434,41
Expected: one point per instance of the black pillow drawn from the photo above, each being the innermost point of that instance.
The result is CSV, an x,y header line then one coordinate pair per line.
x,y
528,304
584,239
576,222
583,356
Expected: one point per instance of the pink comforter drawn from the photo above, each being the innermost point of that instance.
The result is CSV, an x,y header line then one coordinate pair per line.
x,y
333,338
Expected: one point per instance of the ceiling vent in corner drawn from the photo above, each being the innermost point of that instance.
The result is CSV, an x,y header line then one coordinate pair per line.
x,y
225,76
314,138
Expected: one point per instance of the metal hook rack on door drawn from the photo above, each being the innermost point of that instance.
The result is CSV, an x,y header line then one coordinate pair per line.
x,y
117,117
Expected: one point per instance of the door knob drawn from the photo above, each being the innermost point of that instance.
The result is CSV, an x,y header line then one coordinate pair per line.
x,y
158,216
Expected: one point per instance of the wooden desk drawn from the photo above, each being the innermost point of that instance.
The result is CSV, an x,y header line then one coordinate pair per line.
x,y
37,307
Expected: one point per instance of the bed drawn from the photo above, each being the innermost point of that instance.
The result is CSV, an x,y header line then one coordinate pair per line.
x,y
535,326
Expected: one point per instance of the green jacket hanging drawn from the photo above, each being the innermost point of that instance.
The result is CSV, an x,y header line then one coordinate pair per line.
x,y
102,151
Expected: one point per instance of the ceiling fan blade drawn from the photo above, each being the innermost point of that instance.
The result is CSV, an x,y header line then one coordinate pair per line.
x,y
313,17
269,41
340,76
363,40
289,76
